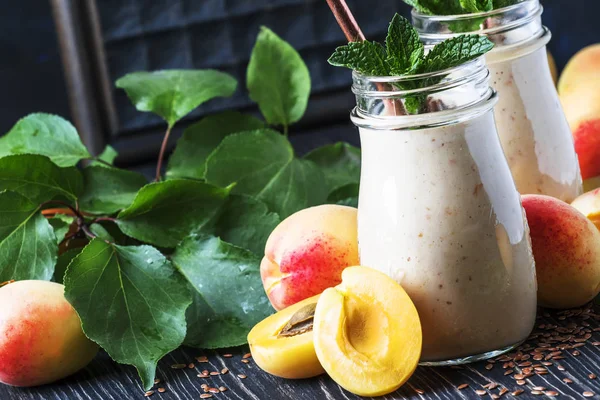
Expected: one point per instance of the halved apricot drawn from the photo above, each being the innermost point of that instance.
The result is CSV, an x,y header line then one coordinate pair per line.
x,y
367,333
282,344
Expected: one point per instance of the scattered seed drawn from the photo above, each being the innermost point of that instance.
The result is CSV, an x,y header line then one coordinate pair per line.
x,y
537,392
576,353
204,386
245,361
503,391
521,382
205,372
595,343
156,381
481,392
463,386
517,392
492,386
508,372
213,390
206,395
561,368
215,373
202,375
419,391
191,366
489,366
551,393
588,394
592,376
227,355
495,396
525,364
202,359
242,376
178,366
247,355
540,388
222,388
149,393
224,371
161,390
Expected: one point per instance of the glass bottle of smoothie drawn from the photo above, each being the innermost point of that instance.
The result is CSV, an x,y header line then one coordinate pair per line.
x,y
533,130
439,212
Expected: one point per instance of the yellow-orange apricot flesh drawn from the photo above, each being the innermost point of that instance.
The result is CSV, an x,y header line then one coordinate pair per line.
x,y
367,333
307,252
282,344
41,339
589,205
566,249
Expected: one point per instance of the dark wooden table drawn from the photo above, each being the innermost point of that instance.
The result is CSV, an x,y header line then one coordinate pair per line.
x,y
574,333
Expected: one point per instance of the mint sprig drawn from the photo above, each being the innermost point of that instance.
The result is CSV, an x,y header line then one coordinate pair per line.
x,y
458,7
404,54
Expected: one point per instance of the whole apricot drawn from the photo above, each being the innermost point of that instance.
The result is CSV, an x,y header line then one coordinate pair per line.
x,y
589,205
41,339
367,333
566,249
307,252
282,344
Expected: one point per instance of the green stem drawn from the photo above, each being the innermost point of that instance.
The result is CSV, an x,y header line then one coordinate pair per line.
x,y
161,155
285,130
100,161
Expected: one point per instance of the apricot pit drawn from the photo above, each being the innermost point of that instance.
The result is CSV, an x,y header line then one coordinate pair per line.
x,y
367,333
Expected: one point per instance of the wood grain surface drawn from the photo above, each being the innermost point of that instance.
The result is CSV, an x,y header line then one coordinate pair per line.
x,y
103,379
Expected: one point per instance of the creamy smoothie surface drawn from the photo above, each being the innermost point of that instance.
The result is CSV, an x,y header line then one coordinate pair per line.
x,y
454,235
532,127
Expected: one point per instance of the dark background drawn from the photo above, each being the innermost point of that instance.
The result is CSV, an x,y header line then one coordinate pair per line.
x,y
153,34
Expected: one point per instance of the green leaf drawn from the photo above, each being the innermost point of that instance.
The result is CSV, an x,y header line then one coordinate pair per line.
x,y
505,3
340,162
27,241
262,164
63,262
108,155
201,138
47,135
457,7
278,79
60,224
403,46
228,295
172,94
455,51
101,232
368,58
108,190
39,179
131,302
345,195
246,222
163,213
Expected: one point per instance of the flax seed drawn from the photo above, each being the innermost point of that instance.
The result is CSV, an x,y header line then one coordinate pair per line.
x,y
592,376
536,392
489,366
204,386
245,361
540,369
205,372
202,359
419,391
481,392
567,380
191,366
540,388
493,386
156,381
222,389
576,353
525,364
547,363
588,394
595,343
202,375
561,368
161,390
551,393
206,395
495,396
224,371
462,386
213,390
503,391
149,393
577,345
247,355
538,357
215,373
508,372
227,355
242,376
178,366
521,382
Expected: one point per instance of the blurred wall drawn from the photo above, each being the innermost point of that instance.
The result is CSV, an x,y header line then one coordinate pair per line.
x,y
31,76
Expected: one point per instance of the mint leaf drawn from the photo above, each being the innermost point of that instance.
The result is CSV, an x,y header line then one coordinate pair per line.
x,y
340,162
368,58
61,224
505,3
163,213
262,164
47,135
201,138
346,195
131,302
228,295
277,79
403,46
457,7
108,155
27,241
246,222
475,6
108,190
454,52
63,262
38,179
172,94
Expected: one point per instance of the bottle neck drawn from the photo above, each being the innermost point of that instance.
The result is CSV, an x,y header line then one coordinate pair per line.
x,y
515,30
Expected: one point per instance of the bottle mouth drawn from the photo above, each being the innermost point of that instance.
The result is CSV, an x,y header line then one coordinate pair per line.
x,y
508,26
429,93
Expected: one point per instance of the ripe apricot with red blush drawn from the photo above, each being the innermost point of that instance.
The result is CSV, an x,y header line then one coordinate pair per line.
x,y
307,252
